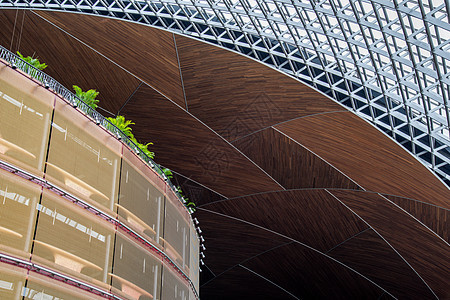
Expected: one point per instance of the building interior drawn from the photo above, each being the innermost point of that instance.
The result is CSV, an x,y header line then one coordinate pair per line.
x,y
312,136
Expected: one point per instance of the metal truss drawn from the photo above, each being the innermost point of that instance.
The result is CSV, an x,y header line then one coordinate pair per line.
x,y
388,61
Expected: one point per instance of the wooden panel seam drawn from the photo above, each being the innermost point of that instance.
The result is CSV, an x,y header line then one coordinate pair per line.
x,y
300,243
296,118
179,68
295,141
395,250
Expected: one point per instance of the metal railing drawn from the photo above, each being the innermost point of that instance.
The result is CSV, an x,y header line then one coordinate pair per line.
x,y
50,83
33,267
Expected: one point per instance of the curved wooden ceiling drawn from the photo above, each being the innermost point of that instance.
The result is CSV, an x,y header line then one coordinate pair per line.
x,y
297,197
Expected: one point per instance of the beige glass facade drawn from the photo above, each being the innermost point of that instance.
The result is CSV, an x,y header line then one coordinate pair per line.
x,y
146,215
173,287
83,158
25,114
118,226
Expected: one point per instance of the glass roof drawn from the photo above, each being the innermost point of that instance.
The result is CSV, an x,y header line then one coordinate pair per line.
x,y
388,61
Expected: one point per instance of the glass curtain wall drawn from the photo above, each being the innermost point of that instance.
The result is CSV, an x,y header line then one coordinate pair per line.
x,y
43,135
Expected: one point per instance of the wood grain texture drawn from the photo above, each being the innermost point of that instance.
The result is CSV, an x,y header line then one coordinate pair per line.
x,y
289,163
235,95
148,53
368,157
185,145
436,218
69,61
368,254
195,192
310,275
422,249
240,283
230,242
313,217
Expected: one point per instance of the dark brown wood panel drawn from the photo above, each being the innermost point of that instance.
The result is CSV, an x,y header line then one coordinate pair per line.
x,y
240,283
422,249
147,52
290,164
367,156
69,61
229,242
235,95
195,192
185,145
313,217
310,275
368,254
436,218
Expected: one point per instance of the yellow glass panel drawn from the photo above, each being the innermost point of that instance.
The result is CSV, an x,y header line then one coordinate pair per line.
x,y
141,205
41,287
73,240
191,295
18,198
12,280
194,258
173,286
136,272
144,169
176,233
25,113
83,158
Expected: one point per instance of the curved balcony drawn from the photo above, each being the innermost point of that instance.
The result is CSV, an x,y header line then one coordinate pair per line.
x,y
80,205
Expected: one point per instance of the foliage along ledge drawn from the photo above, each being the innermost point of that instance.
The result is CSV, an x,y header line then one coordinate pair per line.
x,y
89,97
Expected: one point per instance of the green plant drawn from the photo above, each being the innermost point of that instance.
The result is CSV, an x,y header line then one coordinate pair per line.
x,y
88,97
167,172
124,126
144,148
187,202
33,61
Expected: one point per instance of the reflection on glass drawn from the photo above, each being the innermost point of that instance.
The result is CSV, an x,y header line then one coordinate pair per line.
x,y
173,286
18,199
25,111
83,158
136,273
194,258
144,169
73,240
176,234
141,205
12,280
41,287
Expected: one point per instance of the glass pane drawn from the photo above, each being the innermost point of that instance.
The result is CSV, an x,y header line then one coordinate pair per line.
x,y
173,286
141,205
12,280
194,258
18,198
83,158
137,273
25,113
176,233
73,240
41,287
144,169
191,295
